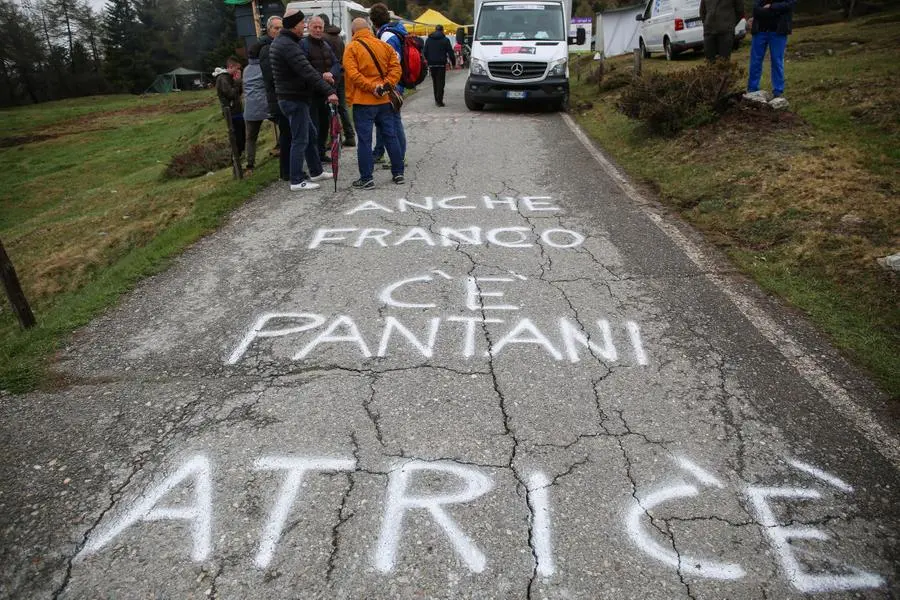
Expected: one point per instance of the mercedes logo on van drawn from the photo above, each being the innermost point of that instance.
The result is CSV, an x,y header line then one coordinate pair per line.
x,y
517,69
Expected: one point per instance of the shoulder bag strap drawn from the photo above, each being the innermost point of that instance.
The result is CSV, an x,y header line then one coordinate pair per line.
x,y
375,60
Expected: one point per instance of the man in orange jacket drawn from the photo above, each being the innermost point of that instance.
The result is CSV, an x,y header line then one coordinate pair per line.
x,y
367,93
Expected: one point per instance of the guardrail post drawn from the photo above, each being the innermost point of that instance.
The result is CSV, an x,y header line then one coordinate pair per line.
x,y
14,291
638,59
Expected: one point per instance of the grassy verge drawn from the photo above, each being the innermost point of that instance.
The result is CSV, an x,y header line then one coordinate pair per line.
x,y
86,212
804,201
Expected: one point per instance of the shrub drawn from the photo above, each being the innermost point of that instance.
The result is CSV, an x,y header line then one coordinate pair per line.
x,y
199,159
668,103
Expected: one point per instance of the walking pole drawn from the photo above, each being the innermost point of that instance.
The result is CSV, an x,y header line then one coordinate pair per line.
x,y
235,155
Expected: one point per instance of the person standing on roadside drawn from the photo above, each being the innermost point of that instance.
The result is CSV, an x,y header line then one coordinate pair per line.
x,y
439,52
772,23
323,59
230,89
720,17
333,37
256,105
365,60
273,27
389,33
295,83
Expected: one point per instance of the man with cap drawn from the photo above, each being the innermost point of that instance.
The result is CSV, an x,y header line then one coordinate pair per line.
x,y
438,52
296,82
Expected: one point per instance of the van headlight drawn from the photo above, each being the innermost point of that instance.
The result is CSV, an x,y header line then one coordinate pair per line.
x,y
479,67
558,68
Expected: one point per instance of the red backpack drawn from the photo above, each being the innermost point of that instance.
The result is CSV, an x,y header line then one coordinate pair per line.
x,y
412,59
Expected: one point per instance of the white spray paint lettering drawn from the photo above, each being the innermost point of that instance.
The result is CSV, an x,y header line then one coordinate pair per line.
x,y
398,503
199,513
507,237
428,203
296,468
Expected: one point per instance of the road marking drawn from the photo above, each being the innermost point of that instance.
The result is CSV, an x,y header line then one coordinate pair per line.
x,y
796,355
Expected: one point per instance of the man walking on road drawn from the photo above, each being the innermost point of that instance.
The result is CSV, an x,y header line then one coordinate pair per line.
x,y
296,81
365,59
720,17
438,52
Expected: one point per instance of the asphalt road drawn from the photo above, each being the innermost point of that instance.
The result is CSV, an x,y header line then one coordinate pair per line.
x,y
512,377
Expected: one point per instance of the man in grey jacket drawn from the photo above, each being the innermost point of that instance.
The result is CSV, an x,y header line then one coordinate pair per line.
x,y
720,17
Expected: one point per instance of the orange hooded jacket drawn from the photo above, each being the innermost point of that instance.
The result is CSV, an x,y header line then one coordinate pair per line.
x,y
361,74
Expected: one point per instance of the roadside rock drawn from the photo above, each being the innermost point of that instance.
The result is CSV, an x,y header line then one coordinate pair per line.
x,y
779,104
891,263
761,96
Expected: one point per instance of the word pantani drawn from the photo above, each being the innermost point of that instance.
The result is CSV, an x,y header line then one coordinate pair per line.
x,y
560,338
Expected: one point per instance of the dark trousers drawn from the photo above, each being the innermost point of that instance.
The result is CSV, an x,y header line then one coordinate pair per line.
x,y
304,143
240,136
284,145
320,116
438,77
718,45
346,123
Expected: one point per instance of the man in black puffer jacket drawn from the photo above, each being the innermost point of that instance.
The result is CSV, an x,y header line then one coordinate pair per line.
x,y
296,81
438,52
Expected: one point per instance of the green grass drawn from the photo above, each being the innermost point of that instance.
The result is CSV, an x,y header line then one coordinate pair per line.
x,y
803,204
86,213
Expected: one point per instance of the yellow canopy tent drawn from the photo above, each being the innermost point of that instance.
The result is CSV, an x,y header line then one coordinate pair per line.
x,y
425,23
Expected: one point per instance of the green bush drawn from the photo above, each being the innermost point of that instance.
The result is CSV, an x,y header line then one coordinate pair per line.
x,y
668,103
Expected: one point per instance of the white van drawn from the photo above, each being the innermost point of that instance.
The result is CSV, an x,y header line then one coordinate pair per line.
x,y
340,12
673,26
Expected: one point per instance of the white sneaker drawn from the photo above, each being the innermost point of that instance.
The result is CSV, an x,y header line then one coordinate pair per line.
x,y
322,176
304,185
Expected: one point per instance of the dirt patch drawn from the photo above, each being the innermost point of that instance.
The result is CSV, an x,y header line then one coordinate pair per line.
x,y
21,140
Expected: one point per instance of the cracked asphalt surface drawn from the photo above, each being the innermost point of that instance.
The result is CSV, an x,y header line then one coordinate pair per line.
x,y
579,414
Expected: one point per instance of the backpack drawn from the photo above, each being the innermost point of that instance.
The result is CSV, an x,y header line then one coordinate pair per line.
x,y
413,65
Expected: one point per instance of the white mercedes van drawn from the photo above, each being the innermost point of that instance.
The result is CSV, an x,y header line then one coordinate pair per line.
x,y
674,26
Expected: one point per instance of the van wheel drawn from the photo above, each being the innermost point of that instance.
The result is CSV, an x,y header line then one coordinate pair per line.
x,y
471,104
644,52
561,105
667,46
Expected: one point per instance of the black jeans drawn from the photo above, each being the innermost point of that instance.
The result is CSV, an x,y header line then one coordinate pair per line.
x,y
320,117
346,123
438,77
718,45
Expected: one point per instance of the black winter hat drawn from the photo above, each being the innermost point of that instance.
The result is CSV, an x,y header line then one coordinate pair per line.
x,y
291,21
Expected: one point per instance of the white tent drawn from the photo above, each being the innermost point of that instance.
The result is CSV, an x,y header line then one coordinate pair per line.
x,y
617,30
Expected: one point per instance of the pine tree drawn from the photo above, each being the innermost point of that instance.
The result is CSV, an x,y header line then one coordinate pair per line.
x,y
126,65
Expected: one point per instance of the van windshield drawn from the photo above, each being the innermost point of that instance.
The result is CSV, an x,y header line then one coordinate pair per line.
x,y
521,22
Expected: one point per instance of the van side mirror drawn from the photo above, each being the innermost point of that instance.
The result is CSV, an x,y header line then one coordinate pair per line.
x,y
638,17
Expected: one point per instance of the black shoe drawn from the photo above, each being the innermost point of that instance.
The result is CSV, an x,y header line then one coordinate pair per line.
x,y
364,184
325,158
441,104
399,179
349,142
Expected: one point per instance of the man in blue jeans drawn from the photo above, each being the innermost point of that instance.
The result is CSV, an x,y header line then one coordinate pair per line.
x,y
296,83
372,67
772,23
389,33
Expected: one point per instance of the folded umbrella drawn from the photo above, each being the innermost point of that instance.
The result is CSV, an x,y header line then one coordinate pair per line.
x,y
335,142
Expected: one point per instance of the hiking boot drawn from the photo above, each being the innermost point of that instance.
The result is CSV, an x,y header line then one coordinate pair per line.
x,y
364,184
322,176
304,185
398,179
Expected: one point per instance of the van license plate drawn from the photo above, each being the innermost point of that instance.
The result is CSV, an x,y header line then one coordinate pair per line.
x,y
516,95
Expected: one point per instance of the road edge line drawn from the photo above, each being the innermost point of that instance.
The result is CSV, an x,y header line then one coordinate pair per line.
x,y
794,352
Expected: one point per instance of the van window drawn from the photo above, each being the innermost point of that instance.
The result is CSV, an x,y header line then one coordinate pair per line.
x,y
661,7
649,6
520,22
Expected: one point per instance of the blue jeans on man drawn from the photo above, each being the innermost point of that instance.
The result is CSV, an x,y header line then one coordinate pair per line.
x,y
401,136
382,117
777,44
303,140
